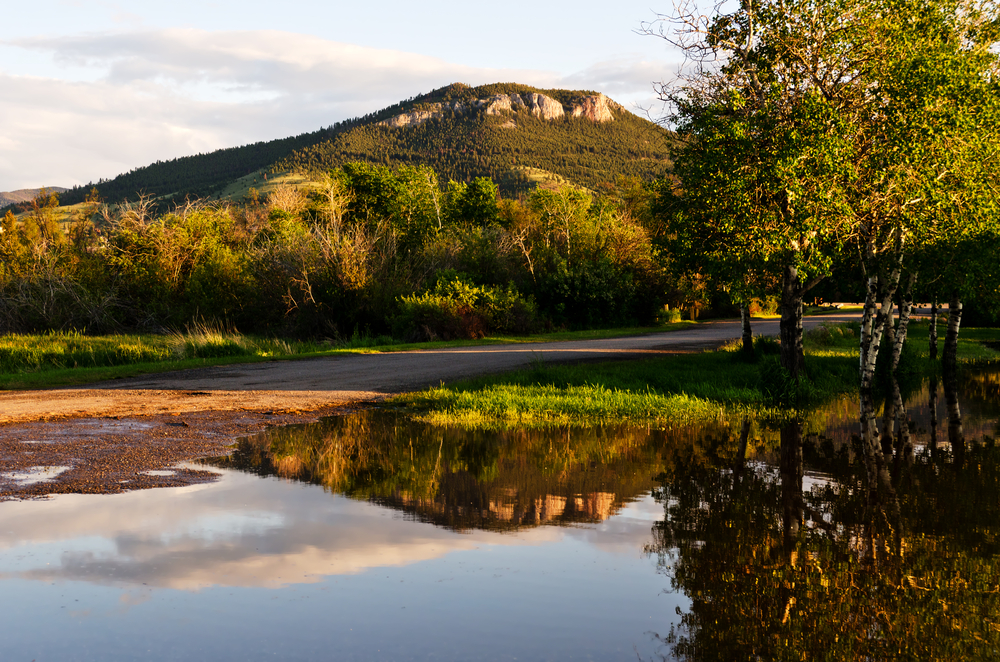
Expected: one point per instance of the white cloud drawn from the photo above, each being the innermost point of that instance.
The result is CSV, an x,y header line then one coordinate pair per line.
x,y
166,93
241,531
624,76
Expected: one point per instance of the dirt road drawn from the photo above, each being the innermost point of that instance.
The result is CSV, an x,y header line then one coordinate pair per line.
x,y
117,431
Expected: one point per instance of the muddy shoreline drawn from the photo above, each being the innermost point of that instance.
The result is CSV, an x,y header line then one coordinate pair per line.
x,y
108,455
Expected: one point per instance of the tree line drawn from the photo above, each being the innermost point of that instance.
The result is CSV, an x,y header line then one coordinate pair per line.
x,y
364,248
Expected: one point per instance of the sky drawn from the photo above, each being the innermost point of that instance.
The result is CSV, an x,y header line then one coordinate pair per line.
x,y
90,89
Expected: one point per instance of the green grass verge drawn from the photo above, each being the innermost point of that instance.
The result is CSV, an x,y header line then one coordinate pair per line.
x,y
673,390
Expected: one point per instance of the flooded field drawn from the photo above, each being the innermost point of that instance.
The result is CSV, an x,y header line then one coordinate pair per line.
x,y
373,537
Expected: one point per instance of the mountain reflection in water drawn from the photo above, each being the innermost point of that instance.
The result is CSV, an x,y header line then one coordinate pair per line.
x,y
466,479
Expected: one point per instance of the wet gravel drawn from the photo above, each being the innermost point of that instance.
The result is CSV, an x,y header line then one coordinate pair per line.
x,y
112,455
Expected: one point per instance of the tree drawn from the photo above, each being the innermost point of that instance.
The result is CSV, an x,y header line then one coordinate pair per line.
x,y
925,157
810,127
764,146
408,197
474,203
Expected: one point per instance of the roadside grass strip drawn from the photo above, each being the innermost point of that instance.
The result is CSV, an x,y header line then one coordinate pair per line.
x,y
29,353
542,405
685,389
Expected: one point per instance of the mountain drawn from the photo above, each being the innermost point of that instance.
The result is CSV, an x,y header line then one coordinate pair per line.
x,y
511,133
8,198
514,134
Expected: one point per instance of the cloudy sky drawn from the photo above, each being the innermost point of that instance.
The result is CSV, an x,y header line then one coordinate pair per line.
x,y
92,88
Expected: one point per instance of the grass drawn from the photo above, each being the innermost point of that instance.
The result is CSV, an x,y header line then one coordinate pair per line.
x,y
72,358
674,390
239,188
680,390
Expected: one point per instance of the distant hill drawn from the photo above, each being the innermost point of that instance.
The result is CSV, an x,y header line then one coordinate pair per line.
x,y
513,133
8,198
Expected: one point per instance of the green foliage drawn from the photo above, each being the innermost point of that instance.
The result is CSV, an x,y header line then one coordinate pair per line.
x,y
407,197
357,252
456,308
474,203
593,294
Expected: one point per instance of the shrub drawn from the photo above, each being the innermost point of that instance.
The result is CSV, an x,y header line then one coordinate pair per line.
x,y
831,335
456,308
669,316
594,294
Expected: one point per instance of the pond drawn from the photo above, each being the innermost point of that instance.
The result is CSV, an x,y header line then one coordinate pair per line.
x,y
374,537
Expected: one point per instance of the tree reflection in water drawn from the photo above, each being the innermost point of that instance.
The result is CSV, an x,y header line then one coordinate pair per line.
x,y
464,479
867,564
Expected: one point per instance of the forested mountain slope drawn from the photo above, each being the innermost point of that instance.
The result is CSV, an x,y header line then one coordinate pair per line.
x,y
503,131
509,132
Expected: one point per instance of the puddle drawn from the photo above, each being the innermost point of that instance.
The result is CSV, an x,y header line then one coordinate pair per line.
x,y
383,538
105,425
157,472
34,475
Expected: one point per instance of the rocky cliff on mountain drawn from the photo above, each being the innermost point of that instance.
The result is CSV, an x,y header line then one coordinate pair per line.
x,y
596,108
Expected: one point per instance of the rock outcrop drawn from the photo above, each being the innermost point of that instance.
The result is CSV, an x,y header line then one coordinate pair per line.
x,y
412,118
540,105
596,108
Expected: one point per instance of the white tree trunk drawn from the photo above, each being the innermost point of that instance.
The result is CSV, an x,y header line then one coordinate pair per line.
x,y
950,357
871,337
905,308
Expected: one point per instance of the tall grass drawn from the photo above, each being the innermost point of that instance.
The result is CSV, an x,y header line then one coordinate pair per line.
x,y
70,349
54,350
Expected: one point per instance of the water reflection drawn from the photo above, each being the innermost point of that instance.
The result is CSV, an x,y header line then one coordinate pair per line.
x,y
816,538
467,479
892,553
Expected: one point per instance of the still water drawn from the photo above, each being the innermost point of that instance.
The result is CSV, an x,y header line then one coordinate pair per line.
x,y
371,537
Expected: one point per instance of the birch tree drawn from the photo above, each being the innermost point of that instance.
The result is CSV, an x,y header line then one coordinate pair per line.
x,y
812,126
765,141
926,155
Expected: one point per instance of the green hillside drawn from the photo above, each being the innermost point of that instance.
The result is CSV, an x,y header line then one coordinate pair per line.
x,y
473,144
458,146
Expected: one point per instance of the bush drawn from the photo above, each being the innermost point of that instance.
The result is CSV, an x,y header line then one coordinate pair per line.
x,y
833,335
594,294
456,308
671,316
